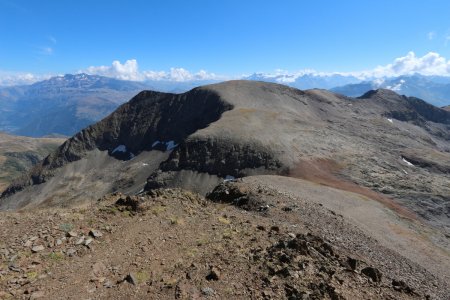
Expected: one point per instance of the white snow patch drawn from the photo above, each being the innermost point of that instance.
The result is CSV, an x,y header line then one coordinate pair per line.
x,y
390,120
229,178
120,148
407,162
144,164
405,172
170,145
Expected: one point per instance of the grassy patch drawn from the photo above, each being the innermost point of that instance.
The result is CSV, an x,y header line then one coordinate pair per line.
x,y
157,210
32,275
56,256
66,227
170,282
111,210
174,220
142,276
224,221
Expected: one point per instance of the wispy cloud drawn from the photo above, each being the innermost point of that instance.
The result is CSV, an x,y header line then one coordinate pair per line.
x,y
431,35
447,39
46,50
51,39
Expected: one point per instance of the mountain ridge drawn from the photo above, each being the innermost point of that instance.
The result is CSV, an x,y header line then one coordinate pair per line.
x,y
232,141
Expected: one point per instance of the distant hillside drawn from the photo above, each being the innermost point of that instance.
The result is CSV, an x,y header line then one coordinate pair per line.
x,y
62,104
18,153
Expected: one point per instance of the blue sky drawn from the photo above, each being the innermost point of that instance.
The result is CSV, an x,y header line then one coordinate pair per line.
x,y
224,37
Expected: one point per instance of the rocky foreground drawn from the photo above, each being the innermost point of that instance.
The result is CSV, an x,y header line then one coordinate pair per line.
x,y
245,240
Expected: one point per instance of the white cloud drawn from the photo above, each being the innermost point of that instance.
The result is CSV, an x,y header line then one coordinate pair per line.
x,y
13,78
431,35
431,63
130,71
127,71
397,87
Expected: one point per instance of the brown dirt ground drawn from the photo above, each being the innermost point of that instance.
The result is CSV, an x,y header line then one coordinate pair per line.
x,y
326,172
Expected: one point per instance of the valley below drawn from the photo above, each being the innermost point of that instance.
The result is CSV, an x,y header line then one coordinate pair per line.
x,y
18,154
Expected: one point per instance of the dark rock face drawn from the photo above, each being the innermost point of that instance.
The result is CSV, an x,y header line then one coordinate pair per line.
x,y
220,157
148,117
372,273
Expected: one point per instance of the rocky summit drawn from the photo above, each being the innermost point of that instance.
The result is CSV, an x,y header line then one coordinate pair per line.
x,y
238,190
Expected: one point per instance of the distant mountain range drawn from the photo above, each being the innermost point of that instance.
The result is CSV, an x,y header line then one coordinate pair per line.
x,y
306,81
63,105
433,89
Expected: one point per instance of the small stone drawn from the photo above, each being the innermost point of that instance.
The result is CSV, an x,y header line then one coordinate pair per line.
x,y
37,295
88,241
131,278
28,243
99,269
207,291
37,248
14,268
372,273
29,291
275,228
214,274
401,286
95,233
108,284
71,252
292,235
58,242
80,241
71,234
353,263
